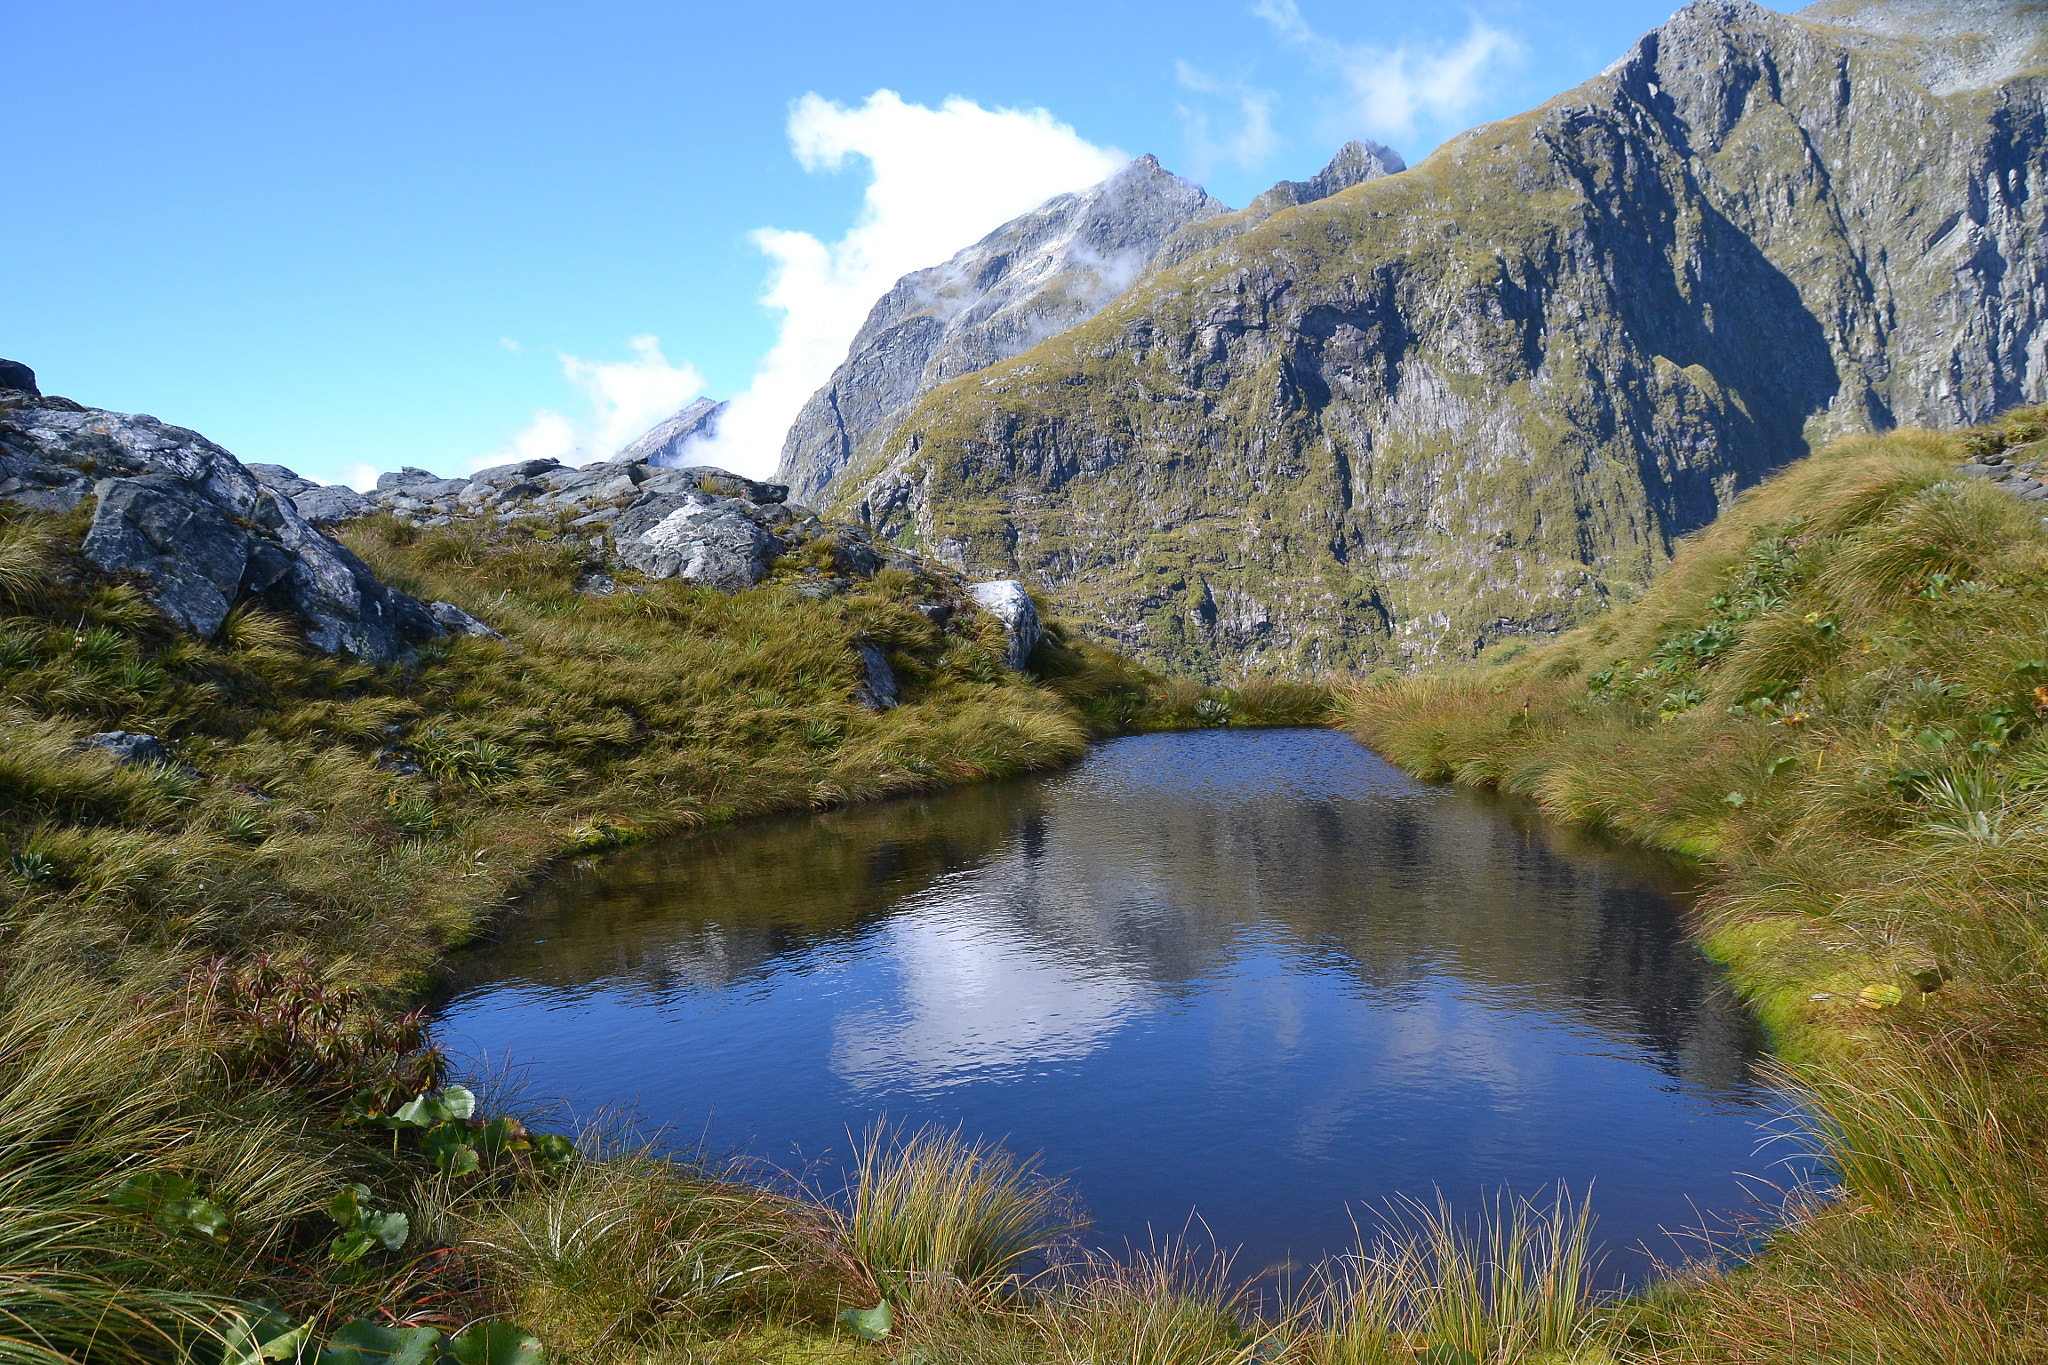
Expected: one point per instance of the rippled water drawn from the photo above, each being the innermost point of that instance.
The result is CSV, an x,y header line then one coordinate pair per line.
x,y
1262,976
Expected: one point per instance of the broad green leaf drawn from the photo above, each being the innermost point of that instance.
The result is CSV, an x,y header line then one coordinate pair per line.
x,y
1879,996
1735,799
554,1150
249,1327
1933,740
437,1106
449,1145
351,1246
151,1191
284,1346
347,1206
367,1343
203,1216
497,1136
496,1343
870,1324
389,1228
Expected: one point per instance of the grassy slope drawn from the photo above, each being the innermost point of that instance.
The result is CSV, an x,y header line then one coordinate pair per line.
x,y
1835,697
198,964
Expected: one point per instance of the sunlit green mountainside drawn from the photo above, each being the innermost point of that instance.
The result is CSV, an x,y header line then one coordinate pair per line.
x,y
1475,399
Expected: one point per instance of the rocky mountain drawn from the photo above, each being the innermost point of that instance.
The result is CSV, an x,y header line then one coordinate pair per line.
x,y
1031,278
1354,164
1469,401
664,444
195,529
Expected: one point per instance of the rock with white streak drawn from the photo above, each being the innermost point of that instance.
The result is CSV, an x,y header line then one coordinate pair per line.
x,y
1007,601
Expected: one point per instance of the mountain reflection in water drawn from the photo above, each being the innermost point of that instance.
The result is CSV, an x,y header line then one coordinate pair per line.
x,y
1262,975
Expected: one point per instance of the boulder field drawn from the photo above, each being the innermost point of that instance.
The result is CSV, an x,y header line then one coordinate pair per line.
x,y
202,532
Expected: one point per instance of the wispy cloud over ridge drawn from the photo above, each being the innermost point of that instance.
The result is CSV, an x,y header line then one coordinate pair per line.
x,y
1388,91
1248,147
939,180
625,398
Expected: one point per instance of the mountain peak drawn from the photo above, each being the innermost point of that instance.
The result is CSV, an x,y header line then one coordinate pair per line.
x,y
1034,276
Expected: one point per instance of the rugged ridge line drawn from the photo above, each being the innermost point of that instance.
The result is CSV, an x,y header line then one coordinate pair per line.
x,y
1469,401
1031,278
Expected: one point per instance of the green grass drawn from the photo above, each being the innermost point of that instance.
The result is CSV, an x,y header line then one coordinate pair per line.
x,y
1834,699
936,1216
203,966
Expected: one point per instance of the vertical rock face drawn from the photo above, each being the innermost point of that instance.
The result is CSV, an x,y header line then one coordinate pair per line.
x,y
1466,401
1031,278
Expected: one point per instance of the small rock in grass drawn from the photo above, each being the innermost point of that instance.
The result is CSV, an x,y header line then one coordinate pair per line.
x,y
1008,602
456,621
877,690
128,748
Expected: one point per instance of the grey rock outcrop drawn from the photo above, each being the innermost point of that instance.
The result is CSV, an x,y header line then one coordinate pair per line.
x,y
1466,403
456,621
700,523
1354,164
197,528
693,535
664,445
877,688
128,748
322,504
1007,601
1032,278
17,376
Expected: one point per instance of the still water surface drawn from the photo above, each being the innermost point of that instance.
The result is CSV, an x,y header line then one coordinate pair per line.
x,y
1262,976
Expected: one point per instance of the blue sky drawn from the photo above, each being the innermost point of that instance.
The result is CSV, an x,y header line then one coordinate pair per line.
x,y
350,238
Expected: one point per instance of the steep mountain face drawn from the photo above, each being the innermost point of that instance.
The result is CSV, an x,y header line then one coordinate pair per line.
x,y
1471,400
1031,278
1354,164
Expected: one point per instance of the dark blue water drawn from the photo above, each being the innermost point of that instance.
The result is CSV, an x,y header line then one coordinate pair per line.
x,y
1261,976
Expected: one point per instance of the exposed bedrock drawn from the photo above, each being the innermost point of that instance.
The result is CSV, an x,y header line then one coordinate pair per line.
x,y
1469,401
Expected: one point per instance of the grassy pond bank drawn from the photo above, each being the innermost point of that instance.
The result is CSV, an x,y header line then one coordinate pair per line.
x,y
223,1140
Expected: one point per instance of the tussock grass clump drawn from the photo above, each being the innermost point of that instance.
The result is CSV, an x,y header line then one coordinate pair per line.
x,y
934,1215
1838,697
1515,1285
632,1254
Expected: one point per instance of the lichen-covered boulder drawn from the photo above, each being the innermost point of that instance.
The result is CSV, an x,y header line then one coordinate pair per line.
x,y
128,748
1007,601
709,539
456,621
197,528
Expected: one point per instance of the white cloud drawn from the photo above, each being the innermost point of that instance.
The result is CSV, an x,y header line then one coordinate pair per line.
x,y
626,397
359,476
939,180
1388,90
1249,146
